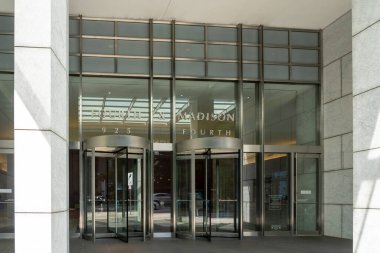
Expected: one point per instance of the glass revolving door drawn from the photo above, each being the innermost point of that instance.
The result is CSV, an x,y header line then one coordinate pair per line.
x,y
114,187
208,188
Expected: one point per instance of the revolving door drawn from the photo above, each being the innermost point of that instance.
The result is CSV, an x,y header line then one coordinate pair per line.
x,y
115,187
208,188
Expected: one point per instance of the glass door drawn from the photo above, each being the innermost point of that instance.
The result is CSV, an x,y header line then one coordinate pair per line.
x,y
307,194
121,195
277,193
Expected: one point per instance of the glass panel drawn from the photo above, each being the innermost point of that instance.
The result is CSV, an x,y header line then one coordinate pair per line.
x,y
250,71
189,50
113,106
189,32
7,224
250,53
202,199
121,196
183,196
7,107
133,66
305,73
162,199
308,39
162,111
276,72
87,194
74,46
291,114
277,197
74,28
222,34
162,67
101,182
275,37
111,196
6,24
276,54
221,69
251,193
6,62
225,52
205,109
250,114
99,28
250,35
162,31
305,56
307,195
74,191
162,49
74,87
134,30
98,65
133,48
6,43
224,207
135,192
96,46
190,68
74,64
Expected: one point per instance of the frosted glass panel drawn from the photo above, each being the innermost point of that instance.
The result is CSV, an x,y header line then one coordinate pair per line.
x,y
251,71
250,53
6,43
101,28
189,32
6,62
133,66
222,34
6,24
162,31
275,37
74,64
276,72
94,64
162,49
221,69
276,54
305,39
305,56
189,50
305,73
134,30
74,46
190,68
250,36
133,48
225,52
96,46
162,67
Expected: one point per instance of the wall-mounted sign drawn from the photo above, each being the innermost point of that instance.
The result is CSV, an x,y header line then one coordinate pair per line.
x,y
275,202
306,192
130,180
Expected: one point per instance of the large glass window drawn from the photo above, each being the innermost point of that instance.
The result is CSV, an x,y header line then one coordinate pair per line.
x,y
114,106
250,113
205,109
291,114
161,111
6,107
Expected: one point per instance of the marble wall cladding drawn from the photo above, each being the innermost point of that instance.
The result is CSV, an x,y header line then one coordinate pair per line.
x,y
337,127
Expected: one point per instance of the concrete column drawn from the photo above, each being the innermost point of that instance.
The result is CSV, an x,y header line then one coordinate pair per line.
x,y
366,122
41,126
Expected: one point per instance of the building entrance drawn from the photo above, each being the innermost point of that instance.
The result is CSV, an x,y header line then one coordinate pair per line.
x,y
207,188
115,187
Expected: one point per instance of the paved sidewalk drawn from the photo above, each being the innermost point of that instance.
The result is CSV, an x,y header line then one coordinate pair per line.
x,y
251,245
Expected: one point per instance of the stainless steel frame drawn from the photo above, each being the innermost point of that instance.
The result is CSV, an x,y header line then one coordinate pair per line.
x,y
189,147
117,141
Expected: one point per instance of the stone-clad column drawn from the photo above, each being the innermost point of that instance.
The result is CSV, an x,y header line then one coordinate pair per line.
x,y
41,126
366,124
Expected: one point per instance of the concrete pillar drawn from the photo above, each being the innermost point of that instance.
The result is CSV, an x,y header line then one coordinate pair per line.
x,y
366,122
41,126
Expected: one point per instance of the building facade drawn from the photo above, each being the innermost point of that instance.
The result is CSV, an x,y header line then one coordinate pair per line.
x,y
153,127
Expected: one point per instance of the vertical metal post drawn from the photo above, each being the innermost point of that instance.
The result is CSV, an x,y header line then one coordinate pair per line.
x,y
240,128
262,132
292,185
93,193
116,197
173,132
143,188
150,168
193,203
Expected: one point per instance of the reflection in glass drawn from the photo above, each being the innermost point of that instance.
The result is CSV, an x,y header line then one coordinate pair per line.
x,y
74,87
162,199
6,107
7,192
74,191
183,196
161,111
205,109
276,192
250,114
113,106
307,195
251,195
291,114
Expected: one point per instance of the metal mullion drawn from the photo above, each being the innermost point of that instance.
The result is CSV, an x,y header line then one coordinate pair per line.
x,y
115,48
151,156
293,184
262,134
240,127
290,68
93,195
205,28
173,129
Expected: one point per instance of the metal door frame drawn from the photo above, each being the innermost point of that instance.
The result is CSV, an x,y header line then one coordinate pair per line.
x,y
115,141
189,147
